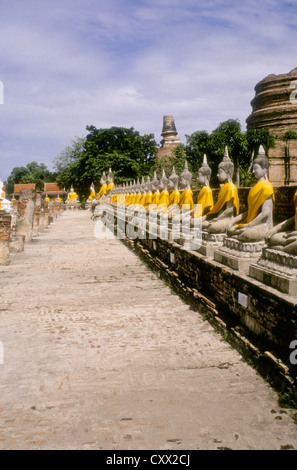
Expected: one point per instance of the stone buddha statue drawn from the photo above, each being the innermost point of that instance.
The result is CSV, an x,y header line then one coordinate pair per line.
x,y
283,237
186,202
254,224
164,194
205,198
92,192
174,195
72,196
110,181
155,193
148,193
218,218
103,187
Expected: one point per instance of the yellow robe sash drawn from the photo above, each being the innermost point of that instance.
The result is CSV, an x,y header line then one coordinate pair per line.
x,y
109,187
257,195
164,198
156,197
227,192
174,197
72,196
102,191
186,199
148,199
92,195
205,200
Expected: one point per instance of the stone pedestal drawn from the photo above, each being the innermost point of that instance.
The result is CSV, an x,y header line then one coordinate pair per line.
x,y
210,242
276,269
238,255
5,228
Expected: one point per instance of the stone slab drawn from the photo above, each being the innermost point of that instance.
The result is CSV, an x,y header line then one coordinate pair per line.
x,y
280,281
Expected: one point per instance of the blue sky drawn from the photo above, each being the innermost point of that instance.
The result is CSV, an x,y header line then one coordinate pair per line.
x,y
70,63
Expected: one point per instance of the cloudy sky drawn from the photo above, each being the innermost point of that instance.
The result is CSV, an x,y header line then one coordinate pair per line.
x,y
65,64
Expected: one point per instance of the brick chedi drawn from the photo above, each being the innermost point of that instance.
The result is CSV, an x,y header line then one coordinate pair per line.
x,y
170,139
275,107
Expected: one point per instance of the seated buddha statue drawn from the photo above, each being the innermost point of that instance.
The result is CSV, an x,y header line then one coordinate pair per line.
x,y
72,196
283,237
164,193
155,193
103,187
92,192
186,202
254,224
110,181
205,198
219,217
174,196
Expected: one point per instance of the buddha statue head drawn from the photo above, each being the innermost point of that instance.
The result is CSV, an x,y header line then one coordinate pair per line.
x,y
186,177
163,181
204,172
148,185
155,182
226,168
110,176
103,178
173,180
261,165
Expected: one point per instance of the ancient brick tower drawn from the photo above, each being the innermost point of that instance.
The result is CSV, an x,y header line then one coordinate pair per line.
x,y
169,134
275,106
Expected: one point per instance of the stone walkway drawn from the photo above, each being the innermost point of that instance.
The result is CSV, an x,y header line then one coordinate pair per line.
x,y
98,353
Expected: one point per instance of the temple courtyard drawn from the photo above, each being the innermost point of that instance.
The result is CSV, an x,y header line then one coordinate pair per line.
x,y
97,352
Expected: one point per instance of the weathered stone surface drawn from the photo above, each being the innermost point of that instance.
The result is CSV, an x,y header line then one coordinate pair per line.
x,y
105,356
170,139
25,213
273,107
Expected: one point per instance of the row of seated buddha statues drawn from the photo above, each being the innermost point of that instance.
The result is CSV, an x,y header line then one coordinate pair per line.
x,y
247,242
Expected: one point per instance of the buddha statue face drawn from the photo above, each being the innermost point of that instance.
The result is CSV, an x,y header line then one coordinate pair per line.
x,y
222,175
203,177
258,171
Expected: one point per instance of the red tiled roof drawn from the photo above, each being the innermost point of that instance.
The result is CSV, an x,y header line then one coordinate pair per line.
x,y
18,187
51,187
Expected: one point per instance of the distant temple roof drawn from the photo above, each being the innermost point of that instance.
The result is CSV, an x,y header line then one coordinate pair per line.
x,y
52,189
18,187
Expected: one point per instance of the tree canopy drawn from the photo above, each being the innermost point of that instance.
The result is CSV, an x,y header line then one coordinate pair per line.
x,y
125,151
33,172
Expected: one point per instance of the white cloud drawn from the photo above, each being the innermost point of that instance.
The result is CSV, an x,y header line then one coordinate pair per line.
x,y
67,64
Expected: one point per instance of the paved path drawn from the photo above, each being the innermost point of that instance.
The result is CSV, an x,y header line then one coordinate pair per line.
x,y
98,353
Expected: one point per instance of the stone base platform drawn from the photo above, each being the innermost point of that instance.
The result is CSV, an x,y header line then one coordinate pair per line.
x,y
210,242
238,255
276,269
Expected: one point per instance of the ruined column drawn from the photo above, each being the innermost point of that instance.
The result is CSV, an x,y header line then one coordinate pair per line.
x,y
37,214
25,213
5,228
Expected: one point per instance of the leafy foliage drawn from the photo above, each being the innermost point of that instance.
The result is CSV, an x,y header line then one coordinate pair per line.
x,y
125,151
33,172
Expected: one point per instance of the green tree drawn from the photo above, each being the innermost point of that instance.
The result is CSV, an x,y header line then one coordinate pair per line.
x,y
287,138
125,151
33,172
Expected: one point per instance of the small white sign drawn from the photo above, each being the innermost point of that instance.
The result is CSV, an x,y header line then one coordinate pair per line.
x,y
172,258
243,299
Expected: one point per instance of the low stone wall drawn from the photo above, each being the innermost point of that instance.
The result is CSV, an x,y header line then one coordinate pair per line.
x,y
258,320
